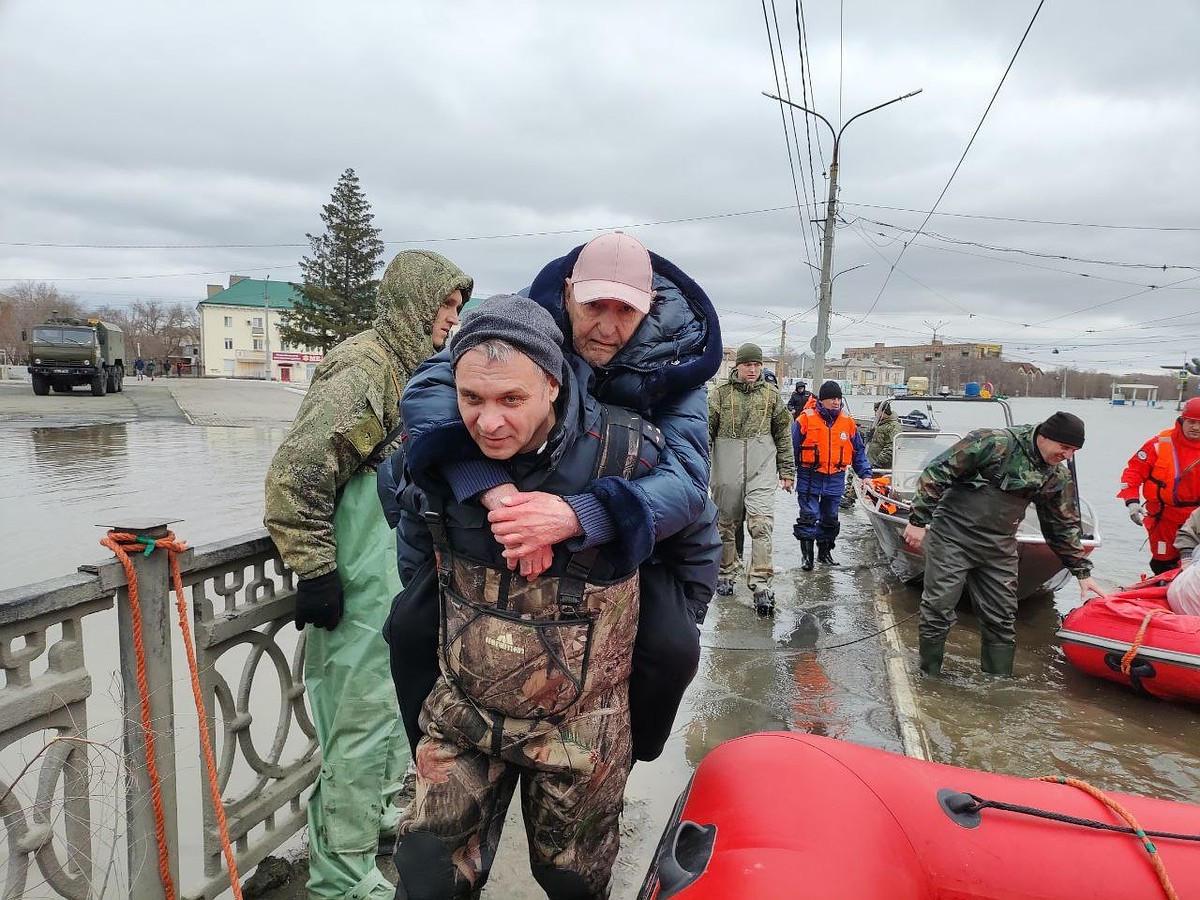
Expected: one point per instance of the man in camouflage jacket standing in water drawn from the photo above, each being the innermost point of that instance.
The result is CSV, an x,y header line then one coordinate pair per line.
x,y
972,498
323,513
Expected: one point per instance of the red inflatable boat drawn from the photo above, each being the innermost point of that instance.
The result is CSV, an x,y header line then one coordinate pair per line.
x,y
1132,637
786,816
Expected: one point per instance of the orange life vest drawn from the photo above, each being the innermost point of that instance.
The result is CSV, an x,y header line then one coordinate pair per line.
x,y
1167,486
827,449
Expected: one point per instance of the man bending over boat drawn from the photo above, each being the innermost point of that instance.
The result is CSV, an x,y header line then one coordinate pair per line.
x,y
972,499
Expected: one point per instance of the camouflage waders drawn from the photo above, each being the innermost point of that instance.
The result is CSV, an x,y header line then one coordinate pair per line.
x,y
972,543
534,690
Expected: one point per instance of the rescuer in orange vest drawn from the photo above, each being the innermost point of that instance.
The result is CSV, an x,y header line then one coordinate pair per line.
x,y
1166,472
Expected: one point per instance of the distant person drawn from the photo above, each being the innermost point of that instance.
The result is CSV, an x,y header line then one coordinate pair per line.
x,y
1166,473
324,516
801,398
972,499
178,370
150,369
748,432
880,442
826,443
139,366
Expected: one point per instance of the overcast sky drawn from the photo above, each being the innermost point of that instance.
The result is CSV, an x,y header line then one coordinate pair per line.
x,y
502,135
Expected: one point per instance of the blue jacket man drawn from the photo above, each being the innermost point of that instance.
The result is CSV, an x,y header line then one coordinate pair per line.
x,y
826,443
651,338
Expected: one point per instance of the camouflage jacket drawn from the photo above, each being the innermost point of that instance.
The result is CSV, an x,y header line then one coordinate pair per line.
x,y
879,447
1008,459
352,404
741,409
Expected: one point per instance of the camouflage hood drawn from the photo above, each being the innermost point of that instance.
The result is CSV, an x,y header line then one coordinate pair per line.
x,y
413,287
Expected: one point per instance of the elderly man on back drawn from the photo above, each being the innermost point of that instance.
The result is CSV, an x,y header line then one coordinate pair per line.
x,y
533,688
651,339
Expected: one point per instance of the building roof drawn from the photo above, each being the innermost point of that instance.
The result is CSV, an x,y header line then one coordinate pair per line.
x,y
249,292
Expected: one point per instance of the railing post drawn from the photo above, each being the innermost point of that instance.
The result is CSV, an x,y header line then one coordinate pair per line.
x,y
154,584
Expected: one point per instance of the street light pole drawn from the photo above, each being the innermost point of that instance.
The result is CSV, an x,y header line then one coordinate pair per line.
x,y
821,341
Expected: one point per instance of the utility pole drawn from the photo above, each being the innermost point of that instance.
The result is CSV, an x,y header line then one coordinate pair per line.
x,y
782,347
267,328
932,342
820,344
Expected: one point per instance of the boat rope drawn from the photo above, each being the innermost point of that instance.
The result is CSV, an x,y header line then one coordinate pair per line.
x,y
122,544
1132,652
1133,827
857,640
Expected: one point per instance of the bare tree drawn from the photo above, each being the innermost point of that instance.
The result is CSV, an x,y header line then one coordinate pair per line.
x,y
27,304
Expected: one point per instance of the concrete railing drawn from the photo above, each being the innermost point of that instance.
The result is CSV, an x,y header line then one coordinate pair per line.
x,y
240,598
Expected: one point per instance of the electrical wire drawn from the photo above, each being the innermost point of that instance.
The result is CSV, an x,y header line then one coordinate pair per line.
x,y
966,150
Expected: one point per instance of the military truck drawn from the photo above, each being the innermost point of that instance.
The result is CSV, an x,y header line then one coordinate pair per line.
x,y
64,353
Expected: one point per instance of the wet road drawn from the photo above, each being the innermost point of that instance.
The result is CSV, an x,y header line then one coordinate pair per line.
x,y
61,476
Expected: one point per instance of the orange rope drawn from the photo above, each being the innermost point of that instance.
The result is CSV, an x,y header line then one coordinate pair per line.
x,y
1125,814
1132,652
121,543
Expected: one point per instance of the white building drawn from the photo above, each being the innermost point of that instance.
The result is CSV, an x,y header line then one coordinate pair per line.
x,y
239,327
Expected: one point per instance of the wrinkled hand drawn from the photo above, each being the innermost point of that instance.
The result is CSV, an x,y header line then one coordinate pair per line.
x,y
319,601
526,522
531,564
787,483
1089,586
914,536
1137,512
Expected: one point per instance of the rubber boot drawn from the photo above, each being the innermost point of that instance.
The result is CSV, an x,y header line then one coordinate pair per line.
x,y
997,659
825,553
806,554
931,653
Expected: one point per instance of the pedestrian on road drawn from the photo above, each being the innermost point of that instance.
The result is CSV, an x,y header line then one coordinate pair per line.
x,y
800,399
652,340
150,369
826,443
534,678
748,434
139,366
1166,473
972,499
323,513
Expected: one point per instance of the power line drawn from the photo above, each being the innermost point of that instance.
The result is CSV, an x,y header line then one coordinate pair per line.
x,y
959,215
966,150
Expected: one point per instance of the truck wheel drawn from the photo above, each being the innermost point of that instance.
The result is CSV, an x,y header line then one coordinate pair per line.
x,y
112,381
41,385
98,383
120,379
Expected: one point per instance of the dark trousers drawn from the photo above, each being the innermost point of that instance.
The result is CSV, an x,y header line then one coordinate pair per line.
x,y
666,654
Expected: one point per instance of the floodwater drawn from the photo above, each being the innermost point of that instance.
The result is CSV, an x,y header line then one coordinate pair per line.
x,y
818,666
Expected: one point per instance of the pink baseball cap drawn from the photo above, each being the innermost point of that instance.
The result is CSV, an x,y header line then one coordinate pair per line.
x,y
613,266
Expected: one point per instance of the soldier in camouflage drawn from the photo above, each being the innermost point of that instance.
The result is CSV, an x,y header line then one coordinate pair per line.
x,y
534,680
879,446
324,516
748,433
972,498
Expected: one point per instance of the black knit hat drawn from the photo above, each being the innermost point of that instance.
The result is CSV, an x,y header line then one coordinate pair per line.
x,y
1064,428
517,321
830,390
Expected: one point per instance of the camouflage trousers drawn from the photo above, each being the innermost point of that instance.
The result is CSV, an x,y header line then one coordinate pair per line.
x,y
572,781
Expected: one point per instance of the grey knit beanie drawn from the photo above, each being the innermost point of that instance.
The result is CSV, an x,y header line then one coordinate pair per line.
x,y
517,321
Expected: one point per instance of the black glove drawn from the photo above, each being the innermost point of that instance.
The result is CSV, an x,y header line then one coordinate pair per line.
x,y
319,601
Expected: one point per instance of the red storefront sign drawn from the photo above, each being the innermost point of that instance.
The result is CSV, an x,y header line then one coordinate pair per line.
x,y
297,357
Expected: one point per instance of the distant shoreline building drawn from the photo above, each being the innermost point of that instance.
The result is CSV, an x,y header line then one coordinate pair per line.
x,y
911,355
239,326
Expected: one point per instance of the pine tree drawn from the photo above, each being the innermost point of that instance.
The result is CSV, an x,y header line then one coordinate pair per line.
x,y
337,298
